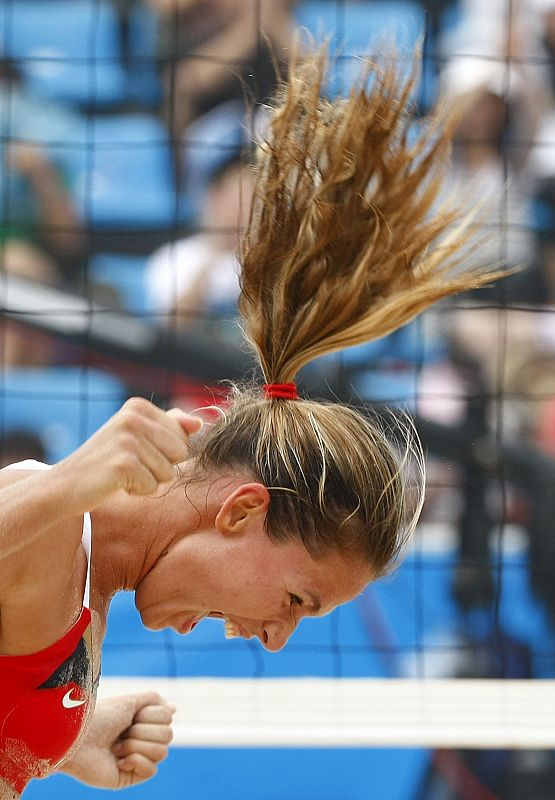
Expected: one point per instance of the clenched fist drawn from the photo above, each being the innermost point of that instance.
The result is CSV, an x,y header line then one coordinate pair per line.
x,y
127,739
136,450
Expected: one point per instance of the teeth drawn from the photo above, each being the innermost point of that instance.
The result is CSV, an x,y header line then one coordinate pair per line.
x,y
231,632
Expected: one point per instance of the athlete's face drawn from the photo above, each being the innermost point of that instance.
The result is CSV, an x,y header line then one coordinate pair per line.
x,y
261,588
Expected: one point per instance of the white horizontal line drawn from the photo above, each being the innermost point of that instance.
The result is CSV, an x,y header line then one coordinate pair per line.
x,y
314,712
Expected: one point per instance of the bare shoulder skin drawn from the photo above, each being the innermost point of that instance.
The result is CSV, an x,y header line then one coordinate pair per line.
x,y
43,569
42,579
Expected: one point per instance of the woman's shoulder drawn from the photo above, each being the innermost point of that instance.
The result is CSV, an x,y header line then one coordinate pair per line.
x,y
47,557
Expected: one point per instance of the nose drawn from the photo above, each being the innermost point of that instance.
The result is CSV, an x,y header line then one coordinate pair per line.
x,y
275,635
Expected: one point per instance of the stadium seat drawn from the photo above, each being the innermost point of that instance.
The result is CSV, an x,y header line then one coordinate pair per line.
x,y
356,28
122,175
125,274
69,50
62,405
144,83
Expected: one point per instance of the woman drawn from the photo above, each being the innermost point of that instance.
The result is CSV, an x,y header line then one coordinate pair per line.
x,y
286,507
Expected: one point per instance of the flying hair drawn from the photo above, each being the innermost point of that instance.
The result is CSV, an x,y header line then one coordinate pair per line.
x,y
346,242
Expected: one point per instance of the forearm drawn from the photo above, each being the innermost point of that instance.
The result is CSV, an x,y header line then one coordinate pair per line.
x,y
74,766
31,506
135,451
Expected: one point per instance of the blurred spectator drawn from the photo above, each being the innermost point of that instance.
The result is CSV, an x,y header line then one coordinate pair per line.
x,y
213,51
490,172
543,166
197,277
496,71
537,286
510,31
41,236
544,11
387,371
35,204
20,345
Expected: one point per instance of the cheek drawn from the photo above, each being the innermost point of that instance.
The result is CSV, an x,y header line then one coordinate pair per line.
x,y
247,582
249,589
254,595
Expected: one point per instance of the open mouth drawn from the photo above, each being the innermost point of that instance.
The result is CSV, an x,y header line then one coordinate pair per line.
x,y
232,629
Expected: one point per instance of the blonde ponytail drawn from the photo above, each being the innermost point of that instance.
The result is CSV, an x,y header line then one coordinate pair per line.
x,y
345,243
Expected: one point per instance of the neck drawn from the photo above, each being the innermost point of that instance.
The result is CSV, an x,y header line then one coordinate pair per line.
x,y
131,533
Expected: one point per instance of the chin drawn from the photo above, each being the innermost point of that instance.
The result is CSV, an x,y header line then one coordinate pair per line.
x,y
152,624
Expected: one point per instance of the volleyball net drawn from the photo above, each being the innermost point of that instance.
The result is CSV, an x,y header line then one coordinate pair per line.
x,y
113,174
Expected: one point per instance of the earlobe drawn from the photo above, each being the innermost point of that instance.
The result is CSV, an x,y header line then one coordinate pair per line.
x,y
243,505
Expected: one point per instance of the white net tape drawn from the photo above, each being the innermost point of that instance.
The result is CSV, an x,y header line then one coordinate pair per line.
x,y
354,713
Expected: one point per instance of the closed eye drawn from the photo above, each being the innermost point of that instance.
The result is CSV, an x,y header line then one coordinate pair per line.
x,y
296,600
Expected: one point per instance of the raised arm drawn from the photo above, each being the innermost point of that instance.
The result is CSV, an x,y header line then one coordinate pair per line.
x,y
136,450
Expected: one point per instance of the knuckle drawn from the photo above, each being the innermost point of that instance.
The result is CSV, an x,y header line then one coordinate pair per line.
x,y
166,735
155,714
157,752
128,746
162,754
139,763
142,765
139,404
127,464
131,420
178,450
158,735
166,717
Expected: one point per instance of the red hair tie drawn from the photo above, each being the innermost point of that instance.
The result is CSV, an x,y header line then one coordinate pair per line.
x,y
281,391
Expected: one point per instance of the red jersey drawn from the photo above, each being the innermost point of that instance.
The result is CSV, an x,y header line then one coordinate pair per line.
x,y
45,696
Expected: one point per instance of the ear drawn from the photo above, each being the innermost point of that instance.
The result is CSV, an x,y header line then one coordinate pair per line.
x,y
244,505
